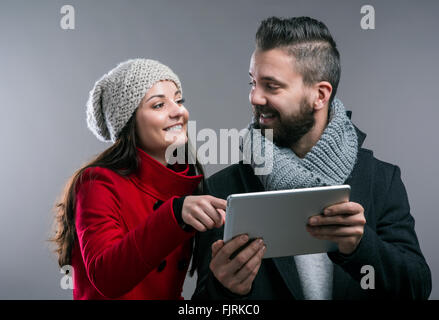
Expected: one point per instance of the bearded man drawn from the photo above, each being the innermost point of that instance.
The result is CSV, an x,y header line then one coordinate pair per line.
x,y
294,72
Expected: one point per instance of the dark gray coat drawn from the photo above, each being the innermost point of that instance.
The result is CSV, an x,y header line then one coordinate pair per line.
x,y
389,243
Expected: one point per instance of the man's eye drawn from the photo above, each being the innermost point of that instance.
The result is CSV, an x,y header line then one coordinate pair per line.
x,y
181,101
157,106
272,87
252,83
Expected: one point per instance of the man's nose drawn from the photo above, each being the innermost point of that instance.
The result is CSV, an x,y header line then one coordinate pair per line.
x,y
257,97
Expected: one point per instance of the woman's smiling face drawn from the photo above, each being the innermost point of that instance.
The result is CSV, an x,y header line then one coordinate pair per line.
x,y
161,119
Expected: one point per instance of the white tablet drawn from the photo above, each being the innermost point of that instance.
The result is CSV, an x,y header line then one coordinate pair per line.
x,y
280,218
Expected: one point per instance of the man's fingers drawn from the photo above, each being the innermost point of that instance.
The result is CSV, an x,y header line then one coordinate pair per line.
x,y
246,254
222,257
330,238
243,267
247,282
249,268
343,208
216,246
336,231
341,219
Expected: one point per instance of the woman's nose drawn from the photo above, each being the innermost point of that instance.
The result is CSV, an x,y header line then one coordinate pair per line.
x,y
177,110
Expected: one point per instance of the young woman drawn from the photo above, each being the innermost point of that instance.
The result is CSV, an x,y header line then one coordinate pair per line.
x,y
126,220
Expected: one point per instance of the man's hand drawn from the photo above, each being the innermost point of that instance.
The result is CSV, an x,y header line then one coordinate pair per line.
x,y
204,212
341,223
237,274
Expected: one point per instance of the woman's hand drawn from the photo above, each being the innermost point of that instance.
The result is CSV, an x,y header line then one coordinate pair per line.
x,y
204,212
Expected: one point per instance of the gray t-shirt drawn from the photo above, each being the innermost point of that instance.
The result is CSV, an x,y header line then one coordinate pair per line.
x,y
315,274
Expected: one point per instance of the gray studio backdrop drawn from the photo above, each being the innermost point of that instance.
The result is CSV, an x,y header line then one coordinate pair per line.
x,y
389,81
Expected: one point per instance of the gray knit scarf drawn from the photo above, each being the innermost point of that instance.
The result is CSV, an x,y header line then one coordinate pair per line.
x,y
329,162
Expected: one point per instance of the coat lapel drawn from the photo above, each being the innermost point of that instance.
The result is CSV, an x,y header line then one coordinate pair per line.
x,y
339,283
288,271
358,180
340,278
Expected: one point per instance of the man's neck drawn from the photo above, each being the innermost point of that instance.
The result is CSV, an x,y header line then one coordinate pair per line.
x,y
309,140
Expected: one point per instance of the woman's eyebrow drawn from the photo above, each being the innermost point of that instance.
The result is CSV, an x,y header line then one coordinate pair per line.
x,y
161,95
155,96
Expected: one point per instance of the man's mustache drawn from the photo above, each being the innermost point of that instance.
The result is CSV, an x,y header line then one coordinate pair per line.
x,y
265,109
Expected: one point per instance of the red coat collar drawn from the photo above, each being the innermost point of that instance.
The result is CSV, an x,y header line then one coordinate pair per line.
x,y
162,182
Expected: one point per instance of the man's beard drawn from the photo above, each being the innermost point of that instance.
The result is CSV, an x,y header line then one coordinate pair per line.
x,y
288,129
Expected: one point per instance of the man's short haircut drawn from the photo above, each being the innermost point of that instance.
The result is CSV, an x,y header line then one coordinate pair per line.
x,y
309,41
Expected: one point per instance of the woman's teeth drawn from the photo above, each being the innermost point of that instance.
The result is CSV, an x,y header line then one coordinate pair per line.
x,y
175,128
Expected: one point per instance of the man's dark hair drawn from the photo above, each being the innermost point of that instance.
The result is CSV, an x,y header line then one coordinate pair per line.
x,y
309,41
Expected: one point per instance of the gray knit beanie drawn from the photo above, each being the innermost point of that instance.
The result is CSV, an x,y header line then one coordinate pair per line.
x,y
116,95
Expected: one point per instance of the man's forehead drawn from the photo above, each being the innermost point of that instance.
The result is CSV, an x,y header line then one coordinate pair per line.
x,y
275,64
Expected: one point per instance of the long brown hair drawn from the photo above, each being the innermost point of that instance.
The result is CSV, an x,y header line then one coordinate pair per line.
x,y
122,158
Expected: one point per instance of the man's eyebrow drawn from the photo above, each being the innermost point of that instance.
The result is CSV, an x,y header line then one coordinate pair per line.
x,y
271,79
161,95
267,78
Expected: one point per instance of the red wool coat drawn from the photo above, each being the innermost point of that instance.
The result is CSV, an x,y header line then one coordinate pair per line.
x,y
126,247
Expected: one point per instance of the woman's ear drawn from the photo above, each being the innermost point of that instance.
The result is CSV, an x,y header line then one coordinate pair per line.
x,y
324,90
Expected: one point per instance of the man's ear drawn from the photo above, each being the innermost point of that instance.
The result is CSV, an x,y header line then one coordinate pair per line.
x,y
323,90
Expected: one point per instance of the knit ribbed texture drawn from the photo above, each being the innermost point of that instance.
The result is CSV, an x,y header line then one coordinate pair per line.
x,y
117,94
329,162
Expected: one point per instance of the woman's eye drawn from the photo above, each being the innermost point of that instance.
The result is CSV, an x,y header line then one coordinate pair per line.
x,y
181,101
159,105
251,83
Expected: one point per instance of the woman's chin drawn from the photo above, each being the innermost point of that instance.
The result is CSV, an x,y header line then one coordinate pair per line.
x,y
175,151
175,137
175,140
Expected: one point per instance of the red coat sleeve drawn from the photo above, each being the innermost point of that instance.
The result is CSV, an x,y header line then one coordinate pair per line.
x,y
116,260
